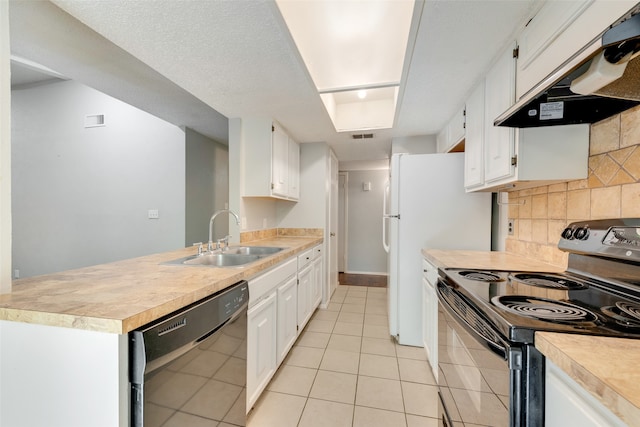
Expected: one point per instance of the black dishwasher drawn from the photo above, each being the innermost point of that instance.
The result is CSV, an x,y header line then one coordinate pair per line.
x,y
189,367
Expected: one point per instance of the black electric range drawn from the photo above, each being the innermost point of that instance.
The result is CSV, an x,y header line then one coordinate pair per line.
x,y
488,319
598,294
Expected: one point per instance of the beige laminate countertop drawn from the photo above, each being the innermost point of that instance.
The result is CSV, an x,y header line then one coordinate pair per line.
x,y
121,296
485,260
605,367
608,368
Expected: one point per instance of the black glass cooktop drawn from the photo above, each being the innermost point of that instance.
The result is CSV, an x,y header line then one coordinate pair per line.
x,y
520,303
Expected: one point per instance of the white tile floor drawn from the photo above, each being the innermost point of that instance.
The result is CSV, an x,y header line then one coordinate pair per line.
x,y
345,371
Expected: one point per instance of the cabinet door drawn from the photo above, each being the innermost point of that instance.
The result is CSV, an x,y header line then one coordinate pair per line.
x,y
279,162
457,127
567,404
261,347
305,293
557,31
473,146
317,283
442,140
287,317
499,96
294,169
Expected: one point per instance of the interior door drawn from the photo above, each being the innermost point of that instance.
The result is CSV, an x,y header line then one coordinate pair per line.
x,y
333,226
342,221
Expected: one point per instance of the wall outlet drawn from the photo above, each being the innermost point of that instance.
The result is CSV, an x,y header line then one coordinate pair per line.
x,y
153,214
16,274
264,222
510,226
243,221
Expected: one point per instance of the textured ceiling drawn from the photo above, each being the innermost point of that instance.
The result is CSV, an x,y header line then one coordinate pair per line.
x,y
238,58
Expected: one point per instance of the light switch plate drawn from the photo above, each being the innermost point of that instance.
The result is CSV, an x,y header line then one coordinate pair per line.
x,y
153,214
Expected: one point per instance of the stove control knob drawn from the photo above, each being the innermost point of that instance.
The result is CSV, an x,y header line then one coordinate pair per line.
x,y
567,233
581,233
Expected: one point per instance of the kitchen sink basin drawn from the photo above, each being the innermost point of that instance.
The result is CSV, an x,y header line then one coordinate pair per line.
x,y
252,250
221,259
234,256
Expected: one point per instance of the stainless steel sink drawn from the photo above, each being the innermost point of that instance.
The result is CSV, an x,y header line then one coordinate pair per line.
x,y
252,250
221,259
232,257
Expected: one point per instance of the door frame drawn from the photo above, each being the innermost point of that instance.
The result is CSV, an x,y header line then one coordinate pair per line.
x,y
343,222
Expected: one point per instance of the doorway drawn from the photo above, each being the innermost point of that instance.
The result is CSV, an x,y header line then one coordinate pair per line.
x,y
343,179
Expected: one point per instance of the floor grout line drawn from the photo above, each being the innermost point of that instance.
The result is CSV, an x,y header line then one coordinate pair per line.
x,y
375,304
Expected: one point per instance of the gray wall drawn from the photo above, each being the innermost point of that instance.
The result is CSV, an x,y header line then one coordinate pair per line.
x,y
365,253
81,195
207,187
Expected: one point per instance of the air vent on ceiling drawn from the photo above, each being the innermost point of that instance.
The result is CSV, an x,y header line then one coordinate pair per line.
x,y
362,136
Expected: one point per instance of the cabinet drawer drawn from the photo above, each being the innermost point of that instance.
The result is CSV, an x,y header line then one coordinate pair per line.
x,y
305,258
317,252
429,272
265,283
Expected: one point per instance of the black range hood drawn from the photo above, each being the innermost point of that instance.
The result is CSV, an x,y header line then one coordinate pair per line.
x,y
552,102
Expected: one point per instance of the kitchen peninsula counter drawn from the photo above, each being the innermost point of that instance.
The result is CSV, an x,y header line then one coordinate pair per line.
x,y
121,296
606,367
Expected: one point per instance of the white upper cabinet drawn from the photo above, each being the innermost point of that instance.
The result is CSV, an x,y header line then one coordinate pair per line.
x,y
499,96
271,161
499,158
559,30
279,162
294,170
473,146
453,133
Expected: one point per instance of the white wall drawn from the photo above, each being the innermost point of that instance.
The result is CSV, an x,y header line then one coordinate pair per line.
x,y
365,253
80,195
310,210
207,186
421,144
5,151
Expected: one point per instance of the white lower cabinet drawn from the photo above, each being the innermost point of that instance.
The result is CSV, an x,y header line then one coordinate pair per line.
x,y
261,346
281,302
567,404
305,293
430,314
287,317
317,282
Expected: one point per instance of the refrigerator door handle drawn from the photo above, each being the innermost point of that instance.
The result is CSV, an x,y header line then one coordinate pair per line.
x,y
385,216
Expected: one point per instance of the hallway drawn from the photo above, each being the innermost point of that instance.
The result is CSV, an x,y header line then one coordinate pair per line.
x,y
345,371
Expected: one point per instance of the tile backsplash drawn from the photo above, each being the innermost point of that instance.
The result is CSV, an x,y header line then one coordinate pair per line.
x,y
611,190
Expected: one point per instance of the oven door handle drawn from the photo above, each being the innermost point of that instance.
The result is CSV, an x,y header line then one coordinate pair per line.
x,y
494,344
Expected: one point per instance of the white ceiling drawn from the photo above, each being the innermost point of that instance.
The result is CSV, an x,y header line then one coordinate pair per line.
x,y
181,59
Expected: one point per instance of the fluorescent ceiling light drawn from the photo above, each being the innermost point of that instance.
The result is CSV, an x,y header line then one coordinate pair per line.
x,y
352,45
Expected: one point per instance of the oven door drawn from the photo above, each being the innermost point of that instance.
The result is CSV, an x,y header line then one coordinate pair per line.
x,y
479,372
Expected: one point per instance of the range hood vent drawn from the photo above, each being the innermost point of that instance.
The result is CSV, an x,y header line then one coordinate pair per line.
x,y
606,73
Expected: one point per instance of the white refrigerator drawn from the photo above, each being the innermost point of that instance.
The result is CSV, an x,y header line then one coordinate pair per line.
x,y
426,207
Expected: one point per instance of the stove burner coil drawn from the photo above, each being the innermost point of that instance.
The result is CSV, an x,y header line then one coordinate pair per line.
x,y
630,309
480,276
545,309
624,313
549,281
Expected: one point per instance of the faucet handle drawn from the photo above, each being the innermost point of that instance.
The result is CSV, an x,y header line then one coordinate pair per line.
x,y
224,240
199,245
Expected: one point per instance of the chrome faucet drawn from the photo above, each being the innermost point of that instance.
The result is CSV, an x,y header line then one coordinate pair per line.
x,y
226,238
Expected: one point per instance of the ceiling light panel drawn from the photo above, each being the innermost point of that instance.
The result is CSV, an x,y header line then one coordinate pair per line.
x,y
350,43
350,113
